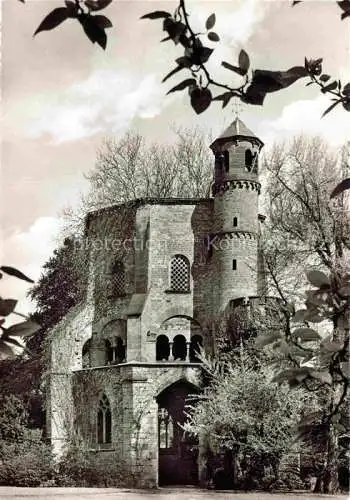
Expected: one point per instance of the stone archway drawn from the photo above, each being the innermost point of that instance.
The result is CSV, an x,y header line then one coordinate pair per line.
x,y
177,451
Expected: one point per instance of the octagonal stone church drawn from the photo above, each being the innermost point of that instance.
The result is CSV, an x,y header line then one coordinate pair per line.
x,y
124,361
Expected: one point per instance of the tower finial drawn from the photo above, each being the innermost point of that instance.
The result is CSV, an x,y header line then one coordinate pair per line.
x,y
237,107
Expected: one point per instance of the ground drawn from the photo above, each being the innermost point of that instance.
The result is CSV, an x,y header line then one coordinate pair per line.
x,y
7,493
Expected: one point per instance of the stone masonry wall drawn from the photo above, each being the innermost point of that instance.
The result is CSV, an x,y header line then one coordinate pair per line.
x,y
132,391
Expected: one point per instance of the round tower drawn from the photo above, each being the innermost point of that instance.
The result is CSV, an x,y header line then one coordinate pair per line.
x,y
235,190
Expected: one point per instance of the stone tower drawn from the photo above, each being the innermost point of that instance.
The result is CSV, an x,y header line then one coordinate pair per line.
x,y
235,190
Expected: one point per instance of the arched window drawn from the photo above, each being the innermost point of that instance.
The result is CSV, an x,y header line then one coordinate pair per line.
x,y
195,346
179,348
227,160
115,351
104,421
118,279
179,274
248,159
162,348
119,350
166,429
235,222
86,354
108,352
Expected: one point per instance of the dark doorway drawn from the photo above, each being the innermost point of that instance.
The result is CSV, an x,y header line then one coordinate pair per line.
x,y
177,451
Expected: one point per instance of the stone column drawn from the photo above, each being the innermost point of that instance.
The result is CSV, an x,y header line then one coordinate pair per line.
x,y
188,345
171,357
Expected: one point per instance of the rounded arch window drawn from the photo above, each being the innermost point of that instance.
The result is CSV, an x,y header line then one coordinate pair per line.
x,y
86,354
179,348
108,352
104,421
249,157
162,348
179,274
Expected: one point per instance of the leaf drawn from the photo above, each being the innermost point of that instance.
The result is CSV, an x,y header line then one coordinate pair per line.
x,y
322,376
229,66
54,19
299,316
210,22
346,89
183,85
185,62
93,30
243,61
317,278
174,29
271,81
306,334
103,22
24,329
341,187
201,55
263,340
344,291
172,72
345,6
7,306
12,271
95,5
157,14
225,98
200,99
6,351
331,86
72,8
214,37
298,374
330,109
331,346
10,340
345,368
324,78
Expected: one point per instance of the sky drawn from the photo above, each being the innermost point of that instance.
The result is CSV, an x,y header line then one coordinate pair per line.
x,y
62,95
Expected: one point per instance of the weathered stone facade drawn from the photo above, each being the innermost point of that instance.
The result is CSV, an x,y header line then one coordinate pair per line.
x,y
160,272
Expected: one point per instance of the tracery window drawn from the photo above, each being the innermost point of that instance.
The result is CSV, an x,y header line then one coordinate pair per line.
x,y
166,429
179,274
104,421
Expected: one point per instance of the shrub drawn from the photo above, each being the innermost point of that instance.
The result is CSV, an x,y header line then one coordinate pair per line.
x,y
83,468
26,463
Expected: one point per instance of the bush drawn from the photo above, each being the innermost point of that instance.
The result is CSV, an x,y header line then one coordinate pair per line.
x,y
83,468
26,463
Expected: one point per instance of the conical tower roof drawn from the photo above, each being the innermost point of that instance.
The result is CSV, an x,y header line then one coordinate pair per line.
x,y
238,129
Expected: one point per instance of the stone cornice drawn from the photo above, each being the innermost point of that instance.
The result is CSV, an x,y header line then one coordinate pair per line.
x,y
231,184
229,235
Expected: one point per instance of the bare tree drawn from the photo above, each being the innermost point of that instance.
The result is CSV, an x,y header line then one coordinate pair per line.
x,y
306,228
130,168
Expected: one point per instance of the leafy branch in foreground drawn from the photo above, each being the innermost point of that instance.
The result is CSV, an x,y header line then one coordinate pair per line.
x,y
254,85
7,306
317,361
94,26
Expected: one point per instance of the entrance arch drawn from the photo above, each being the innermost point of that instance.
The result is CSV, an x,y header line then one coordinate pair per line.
x,y
177,451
